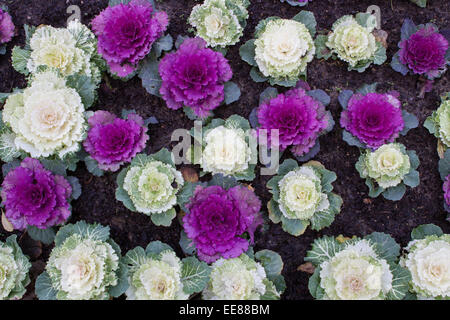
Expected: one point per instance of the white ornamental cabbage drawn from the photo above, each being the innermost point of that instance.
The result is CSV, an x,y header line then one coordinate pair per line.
x,y
14,267
428,260
153,186
226,151
439,122
301,194
83,268
218,22
351,41
236,279
157,278
47,118
387,165
356,273
283,49
69,50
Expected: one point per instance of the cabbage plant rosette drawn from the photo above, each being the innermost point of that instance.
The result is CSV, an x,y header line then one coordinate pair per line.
x,y
14,268
128,31
228,148
427,257
438,124
251,276
281,50
192,77
302,196
388,170
298,115
221,218
423,51
354,40
46,120
357,269
72,51
220,22
85,264
150,185
7,29
371,119
112,141
295,3
156,273
36,196
444,172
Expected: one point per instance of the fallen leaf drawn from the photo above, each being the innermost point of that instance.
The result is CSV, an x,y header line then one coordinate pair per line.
x,y
342,239
306,267
189,174
6,224
381,36
367,201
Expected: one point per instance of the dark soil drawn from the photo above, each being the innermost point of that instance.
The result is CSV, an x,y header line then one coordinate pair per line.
x,y
360,214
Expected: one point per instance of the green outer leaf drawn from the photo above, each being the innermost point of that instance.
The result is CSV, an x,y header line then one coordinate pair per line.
x,y
121,194
20,59
420,3
92,166
351,139
400,282
386,247
413,159
93,231
268,94
394,193
194,275
314,285
185,193
186,244
322,51
43,287
412,179
7,167
247,52
344,98
163,219
232,92
410,121
398,66
429,124
164,156
374,191
367,88
46,236
257,76
287,166
320,96
122,281
55,166
322,250
308,19
380,54
225,182
156,247
294,227
76,187
408,29
135,257
444,165
274,211
149,74
85,87
237,122
424,230
164,43
271,261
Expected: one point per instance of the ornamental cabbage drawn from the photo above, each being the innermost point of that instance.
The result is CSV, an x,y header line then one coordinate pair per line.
x,y
428,260
283,49
352,40
7,28
217,219
302,196
71,51
14,267
150,186
85,264
126,33
112,141
156,273
391,167
34,196
357,269
241,278
439,122
47,117
220,22
296,2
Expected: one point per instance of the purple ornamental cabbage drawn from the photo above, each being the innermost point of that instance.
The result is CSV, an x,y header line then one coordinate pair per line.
x,y
446,188
218,218
194,76
34,196
299,118
113,141
6,27
126,33
374,118
424,52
